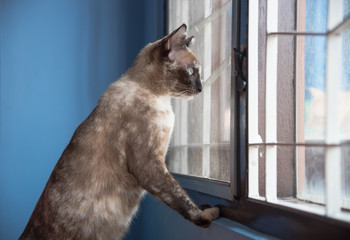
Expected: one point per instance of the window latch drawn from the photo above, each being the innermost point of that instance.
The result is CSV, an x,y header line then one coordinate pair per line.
x,y
240,61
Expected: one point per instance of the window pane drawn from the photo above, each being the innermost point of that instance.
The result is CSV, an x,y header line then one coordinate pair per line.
x,y
201,138
314,55
307,176
190,158
344,114
346,176
311,174
310,16
344,91
300,150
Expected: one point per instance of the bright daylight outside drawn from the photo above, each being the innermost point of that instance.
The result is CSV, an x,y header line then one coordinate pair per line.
x,y
299,104
201,139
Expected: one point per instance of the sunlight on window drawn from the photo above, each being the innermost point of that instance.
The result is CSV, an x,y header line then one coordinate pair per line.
x,y
299,105
201,138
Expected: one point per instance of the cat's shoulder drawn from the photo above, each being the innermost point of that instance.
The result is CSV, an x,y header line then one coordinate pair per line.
x,y
129,90
156,109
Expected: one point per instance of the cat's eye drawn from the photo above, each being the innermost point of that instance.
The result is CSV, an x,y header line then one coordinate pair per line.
x,y
190,71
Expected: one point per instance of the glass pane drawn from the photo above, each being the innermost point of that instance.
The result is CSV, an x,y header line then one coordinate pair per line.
x,y
310,110
311,97
221,36
346,8
201,139
311,15
220,108
188,154
344,93
345,152
194,120
300,174
311,174
344,113
304,59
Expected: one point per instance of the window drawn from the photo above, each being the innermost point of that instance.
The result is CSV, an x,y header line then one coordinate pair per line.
x,y
201,140
275,139
299,112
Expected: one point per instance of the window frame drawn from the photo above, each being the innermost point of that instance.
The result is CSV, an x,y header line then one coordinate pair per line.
x,y
218,188
270,218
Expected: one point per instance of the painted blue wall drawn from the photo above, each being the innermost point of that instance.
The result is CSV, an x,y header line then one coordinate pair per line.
x,y
56,58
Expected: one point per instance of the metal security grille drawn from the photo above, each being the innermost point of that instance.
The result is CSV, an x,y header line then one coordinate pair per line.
x,y
201,139
320,146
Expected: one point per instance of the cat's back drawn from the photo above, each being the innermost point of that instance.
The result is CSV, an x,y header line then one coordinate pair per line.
x,y
90,186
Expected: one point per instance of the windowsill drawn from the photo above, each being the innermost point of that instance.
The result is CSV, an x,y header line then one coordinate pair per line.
x,y
208,186
171,225
236,230
305,206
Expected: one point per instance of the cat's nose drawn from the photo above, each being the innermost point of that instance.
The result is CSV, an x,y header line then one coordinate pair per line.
x,y
199,86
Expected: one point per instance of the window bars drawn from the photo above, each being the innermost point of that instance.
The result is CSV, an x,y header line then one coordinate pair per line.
x,y
332,205
201,139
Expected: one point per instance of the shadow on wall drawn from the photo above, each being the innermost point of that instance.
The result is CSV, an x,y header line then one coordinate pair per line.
x,y
56,59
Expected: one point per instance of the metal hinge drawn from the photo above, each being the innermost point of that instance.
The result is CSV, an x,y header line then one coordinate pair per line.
x,y
239,72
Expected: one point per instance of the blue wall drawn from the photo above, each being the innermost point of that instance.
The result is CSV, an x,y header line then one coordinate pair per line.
x,y
56,59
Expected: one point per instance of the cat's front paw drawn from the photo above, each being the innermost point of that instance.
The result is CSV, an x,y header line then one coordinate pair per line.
x,y
207,216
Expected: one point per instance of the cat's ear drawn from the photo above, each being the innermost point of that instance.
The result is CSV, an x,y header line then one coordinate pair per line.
x,y
176,38
189,41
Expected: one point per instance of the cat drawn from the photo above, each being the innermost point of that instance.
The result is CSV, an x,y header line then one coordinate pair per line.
x,y
118,152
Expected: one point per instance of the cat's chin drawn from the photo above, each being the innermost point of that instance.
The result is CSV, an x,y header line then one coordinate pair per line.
x,y
188,98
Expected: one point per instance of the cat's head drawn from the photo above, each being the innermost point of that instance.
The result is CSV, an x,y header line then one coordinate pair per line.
x,y
173,67
181,66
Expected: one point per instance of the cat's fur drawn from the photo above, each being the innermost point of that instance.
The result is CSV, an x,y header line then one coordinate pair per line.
x,y
119,150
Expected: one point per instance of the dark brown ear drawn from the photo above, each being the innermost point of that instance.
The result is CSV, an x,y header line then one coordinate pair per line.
x,y
189,41
176,38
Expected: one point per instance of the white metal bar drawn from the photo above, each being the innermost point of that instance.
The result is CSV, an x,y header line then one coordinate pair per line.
x,y
207,8
300,100
184,106
253,93
206,91
177,127
333,79
206,131
207,51
271,101
183,120
183,136
176,161
272,16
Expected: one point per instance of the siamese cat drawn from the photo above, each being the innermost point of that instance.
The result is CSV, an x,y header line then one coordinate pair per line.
x,y
118,151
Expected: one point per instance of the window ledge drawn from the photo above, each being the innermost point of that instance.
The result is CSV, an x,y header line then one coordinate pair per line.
x,y
234,230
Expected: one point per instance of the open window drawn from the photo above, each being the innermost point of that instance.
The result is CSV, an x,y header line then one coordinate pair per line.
x,y
299,112
271,130
200,147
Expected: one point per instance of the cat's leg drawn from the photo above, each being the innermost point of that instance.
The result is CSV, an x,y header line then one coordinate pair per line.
x,y
154,177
